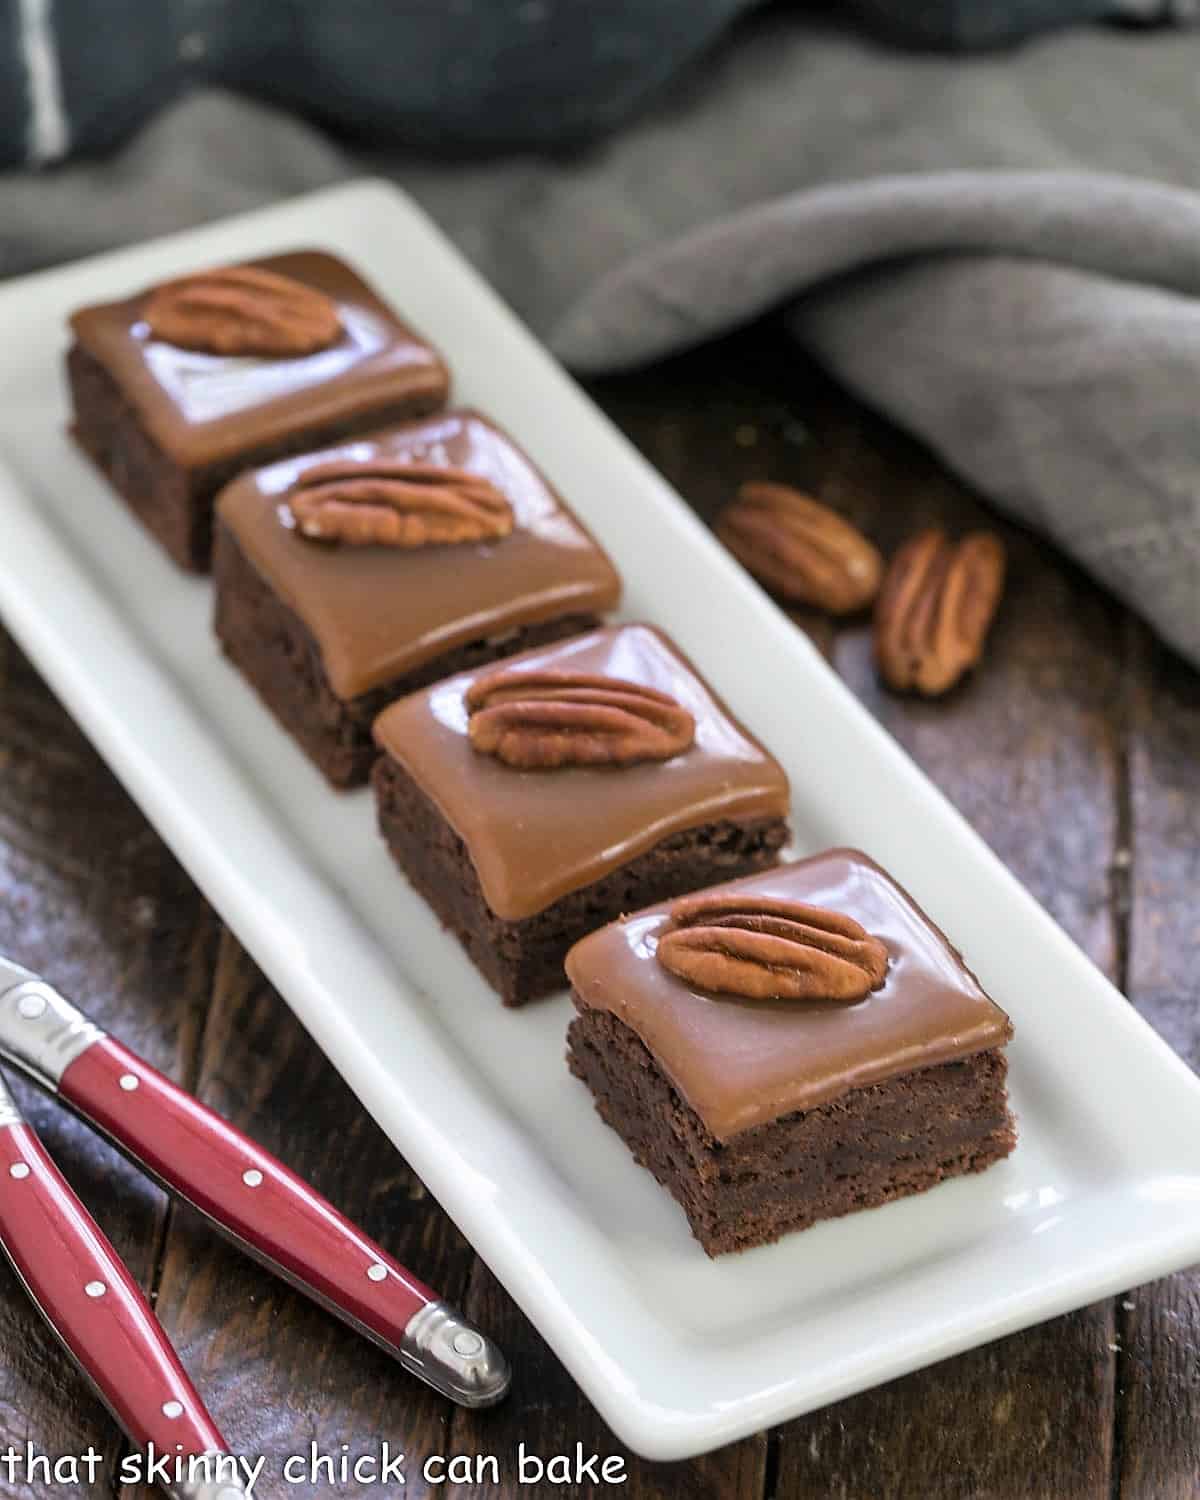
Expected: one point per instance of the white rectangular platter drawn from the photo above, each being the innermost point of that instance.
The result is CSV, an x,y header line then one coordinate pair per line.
x,y
679,1353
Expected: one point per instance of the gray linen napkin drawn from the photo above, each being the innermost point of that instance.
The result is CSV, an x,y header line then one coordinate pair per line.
x,y
1003,253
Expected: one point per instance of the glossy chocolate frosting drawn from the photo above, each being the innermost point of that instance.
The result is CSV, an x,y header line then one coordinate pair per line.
x,y
377,612
740,1063
207,408
535,836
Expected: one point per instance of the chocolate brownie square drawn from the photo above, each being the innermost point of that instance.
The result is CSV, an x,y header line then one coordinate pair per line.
x,y
537,801
179,388
355,575
790,1047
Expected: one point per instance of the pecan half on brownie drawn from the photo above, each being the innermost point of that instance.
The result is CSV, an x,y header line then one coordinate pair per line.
x,y
790,1047
353,576
180,387
530,803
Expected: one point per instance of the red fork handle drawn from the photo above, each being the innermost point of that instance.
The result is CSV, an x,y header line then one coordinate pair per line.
x,y
83,1290
245,1191
242,1189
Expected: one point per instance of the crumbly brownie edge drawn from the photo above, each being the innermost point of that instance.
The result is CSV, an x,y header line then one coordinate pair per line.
x,y
157,491
871,1146
276,652
175,503
523,959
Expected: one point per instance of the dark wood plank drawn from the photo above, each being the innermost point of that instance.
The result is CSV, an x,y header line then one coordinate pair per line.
x,y
93,900
731,412
276,1371
547,1414
1158,1418
1031,752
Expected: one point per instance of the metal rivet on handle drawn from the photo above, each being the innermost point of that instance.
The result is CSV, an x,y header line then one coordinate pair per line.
x,y
377,1272
129,1082
467,1343
19,1170
253,1177
95,1289
172,1409
31,1007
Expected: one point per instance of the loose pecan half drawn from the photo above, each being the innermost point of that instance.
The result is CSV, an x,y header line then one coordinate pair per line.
x,y
242,310
397,503
770,948
935,608
800,549
543,720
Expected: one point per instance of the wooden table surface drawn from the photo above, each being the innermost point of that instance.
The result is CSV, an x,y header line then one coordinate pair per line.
x,y
1076,754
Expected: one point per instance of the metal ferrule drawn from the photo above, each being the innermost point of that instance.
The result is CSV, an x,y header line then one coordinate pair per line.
x,y
9,1113
451,1355
41,1033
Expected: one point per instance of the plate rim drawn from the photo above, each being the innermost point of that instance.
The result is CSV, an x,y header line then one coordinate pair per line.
x,y
43,554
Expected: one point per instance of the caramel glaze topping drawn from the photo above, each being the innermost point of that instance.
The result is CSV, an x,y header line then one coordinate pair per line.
x,y
203,407
741,1062
378,612
534,836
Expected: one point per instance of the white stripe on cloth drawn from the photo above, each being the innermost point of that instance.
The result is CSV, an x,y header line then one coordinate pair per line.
x,y
49,134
